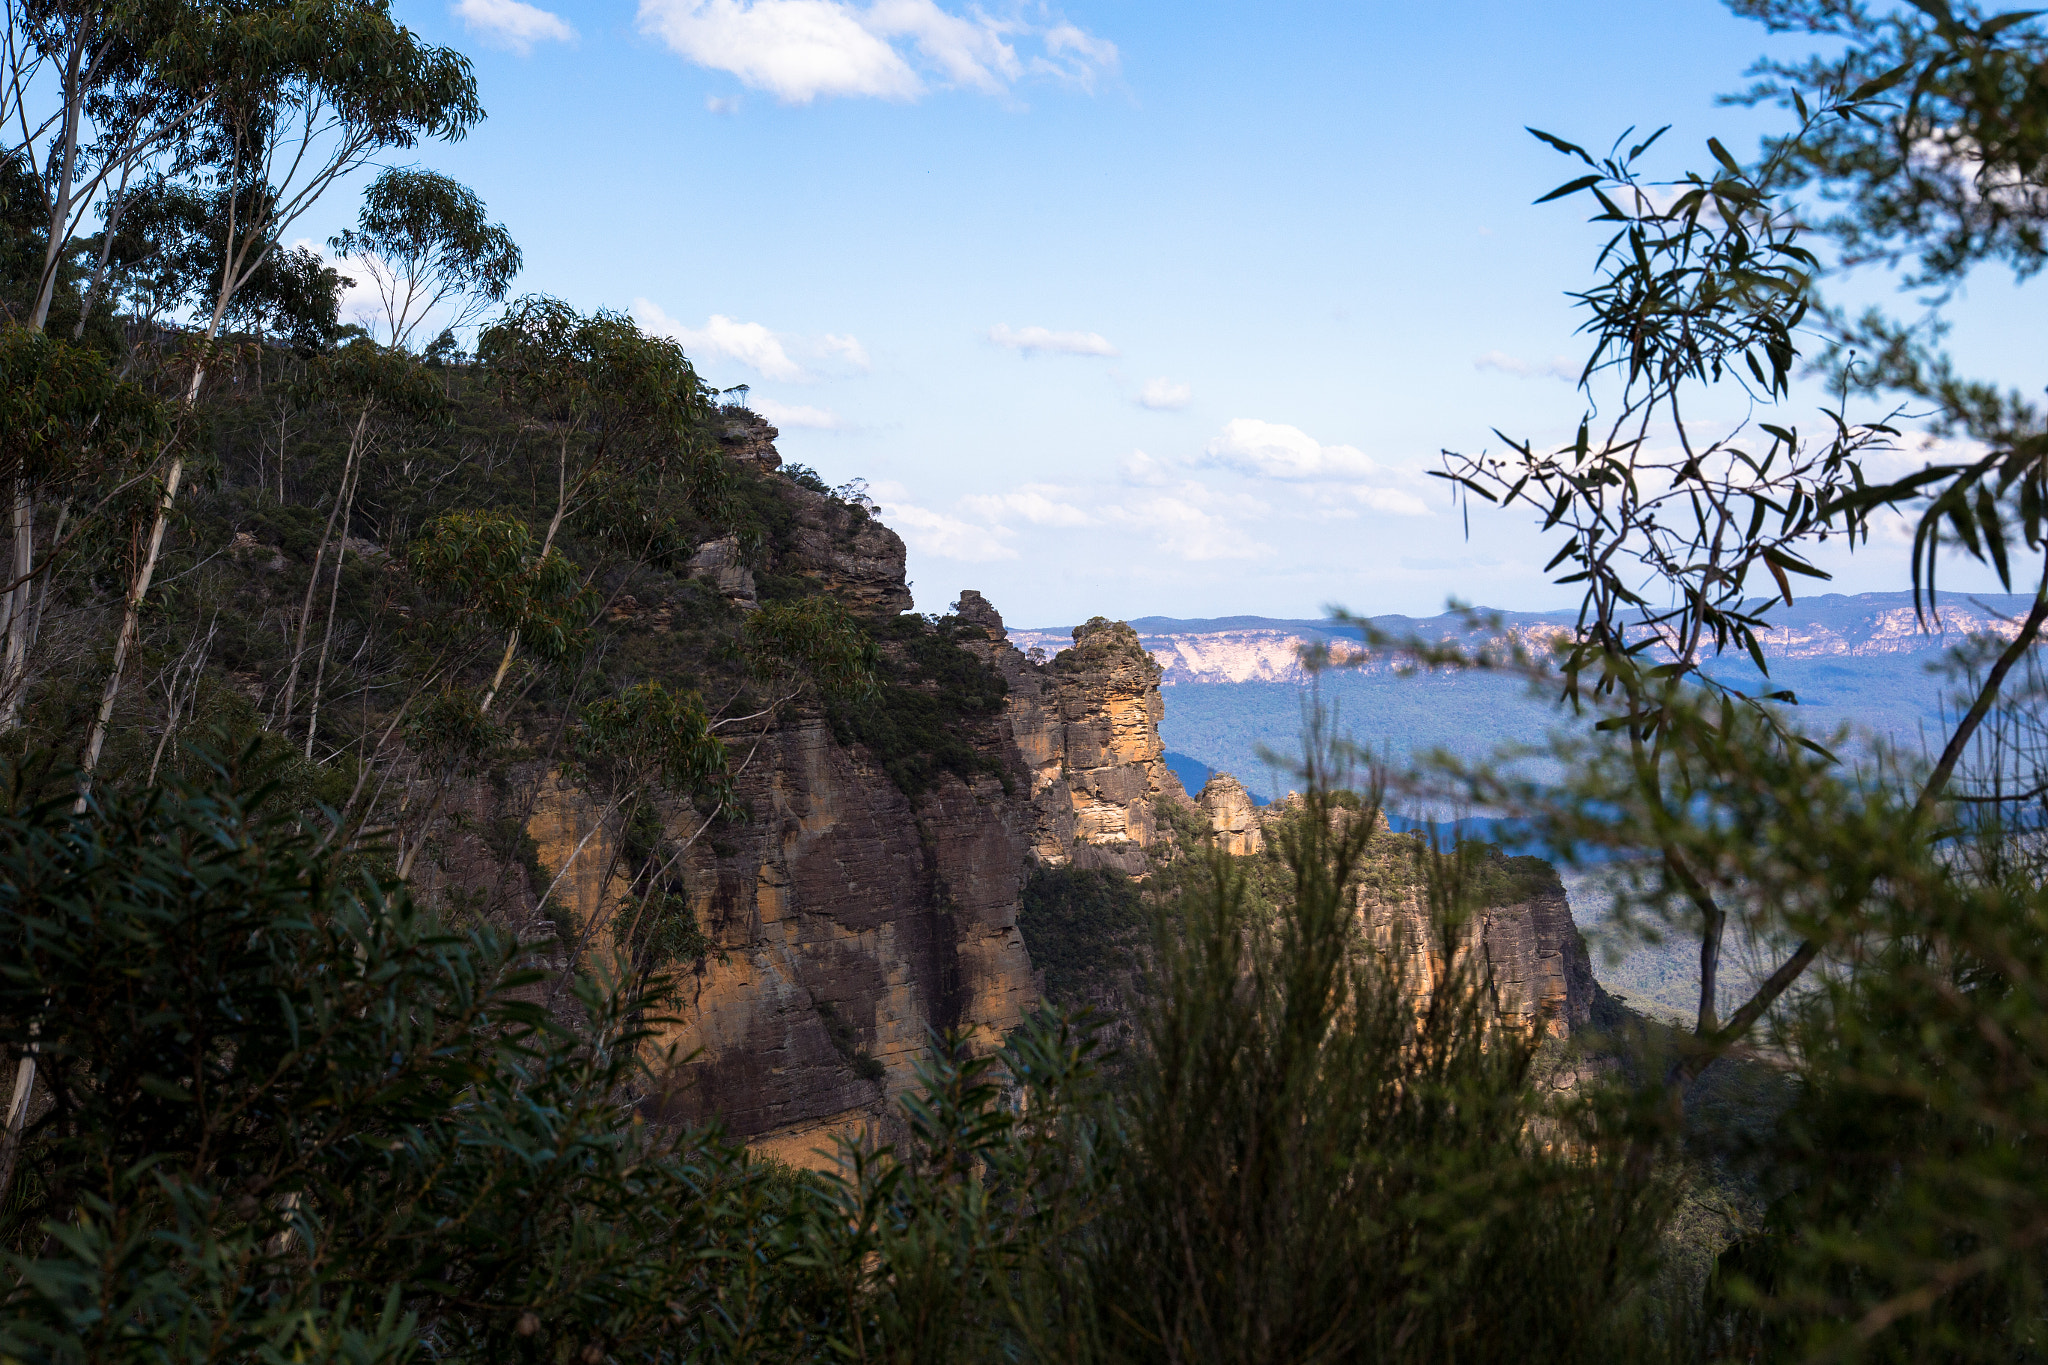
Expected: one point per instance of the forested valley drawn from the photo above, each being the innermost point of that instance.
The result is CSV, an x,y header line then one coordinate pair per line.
x,y
413,724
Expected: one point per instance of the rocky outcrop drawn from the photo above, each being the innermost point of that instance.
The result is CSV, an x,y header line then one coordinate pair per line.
x,y
1234,823
1526,954
1528,958
722,564
847,926
846,923
748,438
1085,726
855,557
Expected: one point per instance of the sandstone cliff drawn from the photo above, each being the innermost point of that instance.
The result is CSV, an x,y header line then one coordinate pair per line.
x,y
1522,946
1234,824
851,915
1085,726
847,921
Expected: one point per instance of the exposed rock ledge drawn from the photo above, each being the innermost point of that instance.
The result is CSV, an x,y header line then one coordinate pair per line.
x,y
849,922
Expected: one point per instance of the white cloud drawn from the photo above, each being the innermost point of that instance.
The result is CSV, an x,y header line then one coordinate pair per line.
x,y
1143,469
749,343
720,104
513,23
798,50
771,354
1558,367
1040,504
1186,530
1391,500
1044,341
1165,395
948,537
1188,521
848,349
1274,450
1075,55
799,415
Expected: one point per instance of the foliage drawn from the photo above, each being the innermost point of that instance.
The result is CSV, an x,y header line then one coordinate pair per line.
x,y
424,241
1078,923
65,414
919,724
657,736
490,564
291,1120
1888,910
815,638
1910,1210
1363,1173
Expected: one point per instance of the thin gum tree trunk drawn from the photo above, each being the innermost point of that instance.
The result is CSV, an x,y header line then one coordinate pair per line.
x,y
291,682
333,597
138,586
14,667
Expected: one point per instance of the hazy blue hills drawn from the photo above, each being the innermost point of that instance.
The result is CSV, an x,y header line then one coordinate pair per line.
x,y
1233,688
1233,684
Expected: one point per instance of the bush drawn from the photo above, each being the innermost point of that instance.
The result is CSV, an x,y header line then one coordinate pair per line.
x,y
279,1117
919,723
1077,924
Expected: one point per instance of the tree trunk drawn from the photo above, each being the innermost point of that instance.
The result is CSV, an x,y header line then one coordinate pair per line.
x,y
21,565
60,205
138,584
348,490
131,626
291,682
17,1118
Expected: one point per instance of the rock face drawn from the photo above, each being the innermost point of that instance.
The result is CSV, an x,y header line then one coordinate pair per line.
x,y
846,921
1086,726
721,564
1528,957
847,924
1233,820
748,438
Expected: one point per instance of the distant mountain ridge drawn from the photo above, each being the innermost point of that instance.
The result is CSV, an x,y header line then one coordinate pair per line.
x,y
1264,649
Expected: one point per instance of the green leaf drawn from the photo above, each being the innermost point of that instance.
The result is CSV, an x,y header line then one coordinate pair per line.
x,y
1571,187
1877,85
1792,563
1568,148
1991,28
1721,155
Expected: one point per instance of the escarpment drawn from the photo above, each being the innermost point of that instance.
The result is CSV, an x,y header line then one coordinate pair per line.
x,y
868,899
1526,956
860,893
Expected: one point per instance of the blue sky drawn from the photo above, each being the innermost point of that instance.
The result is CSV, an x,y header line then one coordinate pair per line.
x,y
1130,309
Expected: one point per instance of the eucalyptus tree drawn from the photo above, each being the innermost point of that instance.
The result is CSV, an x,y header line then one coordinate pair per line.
x,y
1708,281
496,583
1894,903
94,91
424,242
90,93
300,96
611,400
